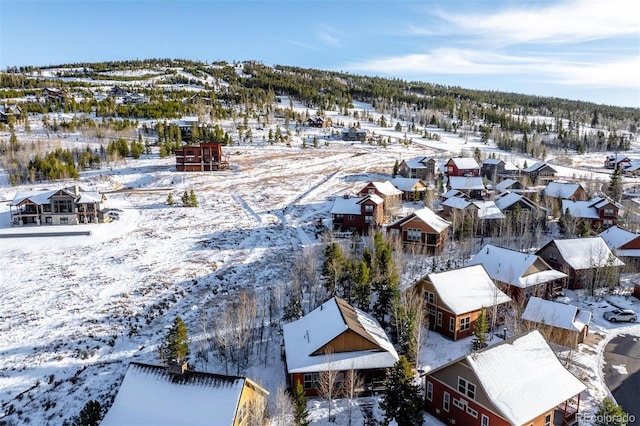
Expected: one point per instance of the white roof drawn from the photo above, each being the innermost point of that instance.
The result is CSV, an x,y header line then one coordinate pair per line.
x,y
417,162
465,163
505,184
536,166
617,237
343,205
406,184
586,253
580,209
452,193
523,378
556,314
429,217
510,266
488,210
467,289
43,197
149,396
386,188
466,182
456,203
507,199
561,189
308,334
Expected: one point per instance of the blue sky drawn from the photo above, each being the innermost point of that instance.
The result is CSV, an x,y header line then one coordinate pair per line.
x,y
576,49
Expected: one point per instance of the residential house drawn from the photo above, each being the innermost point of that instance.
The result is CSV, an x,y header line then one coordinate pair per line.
x,y
205,157
319,122
521,211
354,134
516,382
587,261
617,162
9,113
456,207
159,395
357,214
539,171
134,98
565,191
418,167
625,244
336,337
508,185
495,169
391,195
520,275
454,299
54,95
67,206
559,323
462,166
472,186
412,188
423,230
599,212
484,216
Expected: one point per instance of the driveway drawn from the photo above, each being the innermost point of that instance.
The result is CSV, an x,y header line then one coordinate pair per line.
x,y
622,371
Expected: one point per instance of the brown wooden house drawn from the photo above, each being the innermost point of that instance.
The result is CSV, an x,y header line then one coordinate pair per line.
x,y
587,261
336,337
423,231
565,191
391,195
539,171
559,323
455,298
625,244
357,214
205,157
516,382
418,167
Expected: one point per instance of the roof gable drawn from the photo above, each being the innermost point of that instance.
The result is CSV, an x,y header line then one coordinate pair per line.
x,y
585,253
555,314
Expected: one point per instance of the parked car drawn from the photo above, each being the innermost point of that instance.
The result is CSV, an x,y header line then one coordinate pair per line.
x,y
621,315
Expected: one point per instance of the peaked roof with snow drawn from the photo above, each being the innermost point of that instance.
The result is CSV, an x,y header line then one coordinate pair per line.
x,y
586,253
150,395
523,378
467,289
515,268
386,188
616,237
457,203
44,197
556,314
453,193
580,209
418,162
466,182
427,216
351,205
538,166
505,184
465,163
305,336
488,210
507,199
407,184
561,189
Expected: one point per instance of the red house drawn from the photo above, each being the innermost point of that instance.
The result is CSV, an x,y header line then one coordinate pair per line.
x,y
357,214
391,195
516,382
462,166
600,212
205,157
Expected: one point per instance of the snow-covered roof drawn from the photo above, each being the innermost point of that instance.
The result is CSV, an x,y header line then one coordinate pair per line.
x,y
523,378
467,289
44,197
585,253
456,203
580,209
508,165
511,266
306,335
488,210
386,188
417,162
466,182
492,161
507,199
453,193
150,395
465,163
561,189
429,217
351,205
556,314
537,166
406,184
505,184
616,237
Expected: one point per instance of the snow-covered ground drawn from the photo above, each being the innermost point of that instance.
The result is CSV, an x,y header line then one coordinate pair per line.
x,y
75,310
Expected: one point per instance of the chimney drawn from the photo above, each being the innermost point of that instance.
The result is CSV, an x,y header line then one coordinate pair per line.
x,y
175,367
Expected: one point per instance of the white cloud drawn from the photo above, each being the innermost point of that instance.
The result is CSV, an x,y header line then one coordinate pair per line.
x,y
325,33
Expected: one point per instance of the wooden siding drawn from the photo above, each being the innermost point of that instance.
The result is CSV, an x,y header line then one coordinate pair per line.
x,y
251,394
348,341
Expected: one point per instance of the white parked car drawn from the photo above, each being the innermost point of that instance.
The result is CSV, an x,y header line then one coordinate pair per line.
x,y
621,315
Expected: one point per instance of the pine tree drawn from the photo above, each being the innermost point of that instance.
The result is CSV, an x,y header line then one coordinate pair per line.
x,y
300,411
193,200
185,199
480,332
615,188
170,199
610,414
90,415
177,342
402,400
396,168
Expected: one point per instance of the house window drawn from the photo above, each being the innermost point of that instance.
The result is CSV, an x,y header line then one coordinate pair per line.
x,y
608,212
368,208
607,223
62,206
439,319
445,401
553,257
431,297
48,220
452,324
465,323
485,420
372,191
460,403
414,234
350,217
368,219
472,412
429,391
338,216
311,380
64,220
466,388
547,420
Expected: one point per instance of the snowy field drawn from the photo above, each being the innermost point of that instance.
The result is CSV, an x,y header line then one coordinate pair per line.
x,y
76,310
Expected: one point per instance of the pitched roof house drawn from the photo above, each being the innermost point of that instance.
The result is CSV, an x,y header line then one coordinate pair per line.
x,y
625,244
562,324
587,261
391,195
418,167
473,186
599,212
423,230
153,395
357,214
410,187
517,382
9,112
455,298
336,337
521,275
565,191
462,166
494,169
539,171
